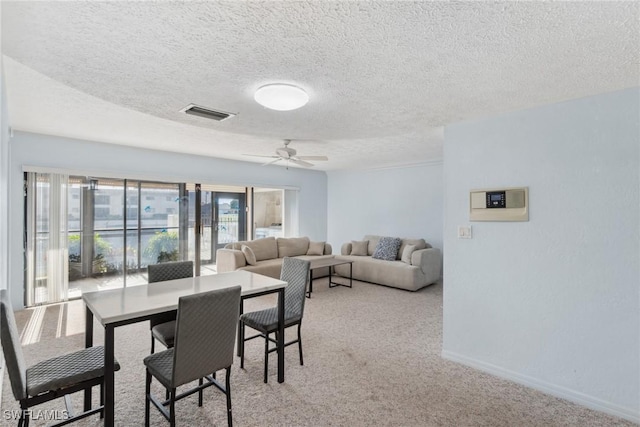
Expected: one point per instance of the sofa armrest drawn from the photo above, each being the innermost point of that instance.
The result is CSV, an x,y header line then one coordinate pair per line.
x,y
328,250
430,262
229,260
345,249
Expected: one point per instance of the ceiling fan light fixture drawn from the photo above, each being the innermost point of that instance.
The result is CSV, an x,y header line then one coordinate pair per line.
x,y
281,97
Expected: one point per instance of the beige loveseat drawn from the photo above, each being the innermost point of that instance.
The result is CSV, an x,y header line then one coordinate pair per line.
x,y
423,267
269,253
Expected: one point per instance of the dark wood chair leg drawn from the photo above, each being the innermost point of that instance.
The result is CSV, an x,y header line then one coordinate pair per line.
x,y
241,344
172,408
239,324
23,412
153,344
102,400
24,415
266,355
300,343
147,400
200,382
228,393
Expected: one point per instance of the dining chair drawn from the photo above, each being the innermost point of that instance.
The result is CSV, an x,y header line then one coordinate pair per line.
x,y
163,326
204,344
52,378
296,273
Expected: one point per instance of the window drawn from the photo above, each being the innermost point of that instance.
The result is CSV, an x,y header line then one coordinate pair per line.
x,y
101,213
268,212
102,199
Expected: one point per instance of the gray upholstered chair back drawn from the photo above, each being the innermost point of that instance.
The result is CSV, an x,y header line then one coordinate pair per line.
x,y
296,273
170,271
10,338
205,334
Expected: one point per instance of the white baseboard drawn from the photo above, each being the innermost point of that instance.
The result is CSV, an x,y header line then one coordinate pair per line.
x,y
552,389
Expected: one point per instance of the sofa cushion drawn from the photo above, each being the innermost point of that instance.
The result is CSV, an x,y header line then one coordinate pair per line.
x,y
292,246
328,250
263,248
373,242
387,248
406,253
268,267
359,248
418,243
248,254
316,248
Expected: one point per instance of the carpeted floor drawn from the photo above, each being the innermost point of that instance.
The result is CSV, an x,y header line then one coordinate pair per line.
x,y
372,358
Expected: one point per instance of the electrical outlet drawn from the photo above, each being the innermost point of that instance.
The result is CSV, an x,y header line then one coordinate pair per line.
x,y
464,232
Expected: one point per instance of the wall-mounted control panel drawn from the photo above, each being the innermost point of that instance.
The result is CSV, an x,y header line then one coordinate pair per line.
x,y
499,204
496,199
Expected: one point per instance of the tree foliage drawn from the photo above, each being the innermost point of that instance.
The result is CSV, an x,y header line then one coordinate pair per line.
x,y
162,247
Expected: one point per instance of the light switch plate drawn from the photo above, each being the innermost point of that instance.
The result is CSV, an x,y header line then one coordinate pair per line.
x,y
464,232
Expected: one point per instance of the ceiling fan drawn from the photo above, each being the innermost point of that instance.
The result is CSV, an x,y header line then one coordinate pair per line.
x,y
290,155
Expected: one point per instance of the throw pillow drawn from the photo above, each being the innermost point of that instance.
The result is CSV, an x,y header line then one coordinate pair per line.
x,y
406,253
249,255
316,248
387,248
359,247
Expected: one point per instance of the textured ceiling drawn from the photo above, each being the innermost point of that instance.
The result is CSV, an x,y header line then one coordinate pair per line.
x,y
384,77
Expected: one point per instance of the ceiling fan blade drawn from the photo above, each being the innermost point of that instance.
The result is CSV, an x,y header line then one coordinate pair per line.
x,y
304,140
319,158
297,161
258,155
272,162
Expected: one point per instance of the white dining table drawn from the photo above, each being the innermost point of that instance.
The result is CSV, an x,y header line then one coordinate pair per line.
x,y
118,307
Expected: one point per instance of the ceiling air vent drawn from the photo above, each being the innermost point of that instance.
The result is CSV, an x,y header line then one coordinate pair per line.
x,y
207,113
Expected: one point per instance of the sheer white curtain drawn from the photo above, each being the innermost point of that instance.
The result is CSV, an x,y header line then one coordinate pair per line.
x,y
47,238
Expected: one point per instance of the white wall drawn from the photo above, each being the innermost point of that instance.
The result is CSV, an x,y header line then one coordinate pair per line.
x,y
397,202
99,159
4,187
554,302
4,179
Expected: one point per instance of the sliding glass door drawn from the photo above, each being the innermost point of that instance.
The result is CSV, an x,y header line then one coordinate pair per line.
x,y
159,226
86,233
215,219
229,219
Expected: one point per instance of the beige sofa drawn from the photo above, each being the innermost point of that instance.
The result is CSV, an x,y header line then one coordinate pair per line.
x,y
424,268
269,253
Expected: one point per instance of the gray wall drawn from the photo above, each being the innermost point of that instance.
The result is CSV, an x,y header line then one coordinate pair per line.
x,y
554,302
100,159
398,202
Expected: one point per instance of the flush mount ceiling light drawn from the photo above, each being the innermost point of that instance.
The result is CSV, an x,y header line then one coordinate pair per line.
x,y
281,97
